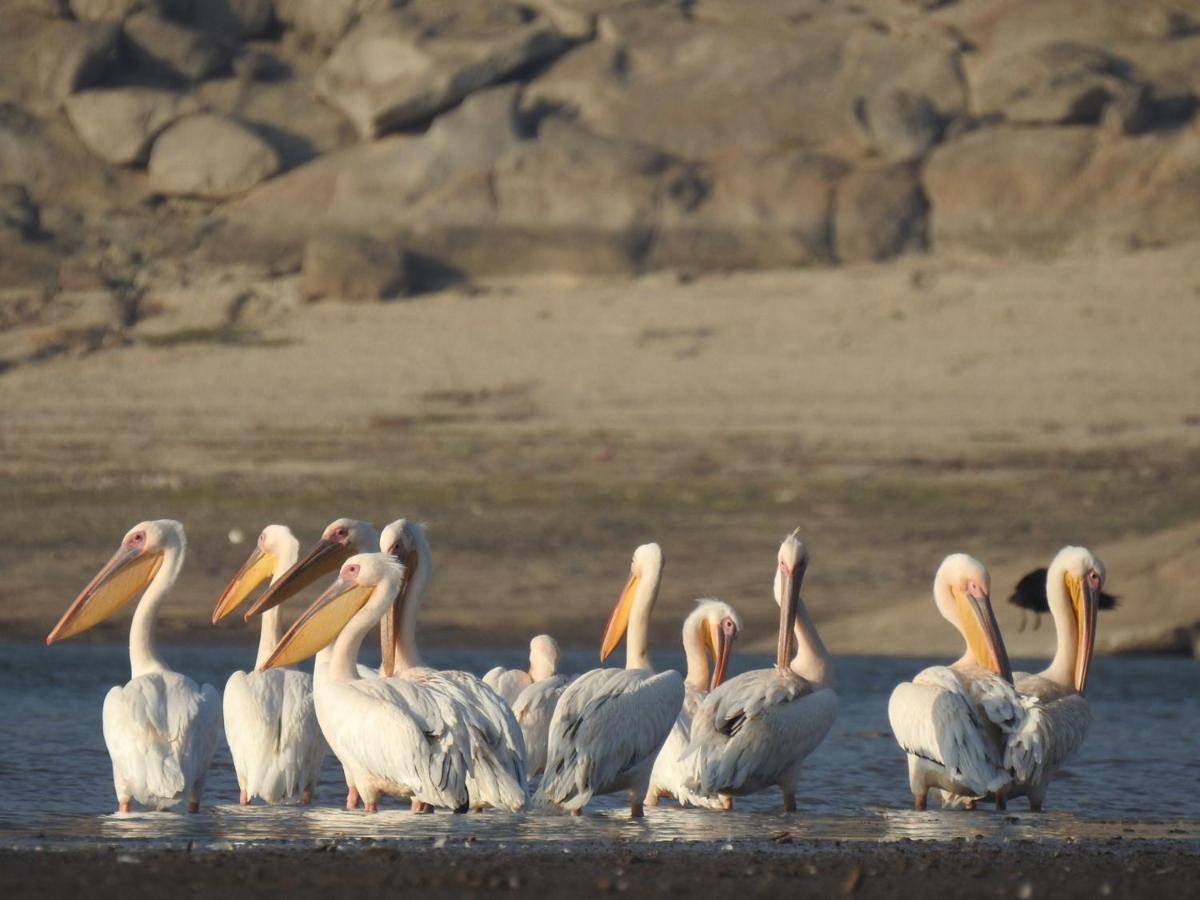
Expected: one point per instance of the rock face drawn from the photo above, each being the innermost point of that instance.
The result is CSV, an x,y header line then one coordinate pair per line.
x,y
498,136
388,74
18,212
344,266
119,124
210,157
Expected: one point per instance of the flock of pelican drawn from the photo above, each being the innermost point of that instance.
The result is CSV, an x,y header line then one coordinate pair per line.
x,y
538,739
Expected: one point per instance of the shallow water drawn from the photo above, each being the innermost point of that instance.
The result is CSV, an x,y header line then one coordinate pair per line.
x,y
1134,778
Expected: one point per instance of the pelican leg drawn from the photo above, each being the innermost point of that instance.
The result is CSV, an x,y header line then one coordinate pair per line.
x,y
243,798
726,801
972,804
577,812
1001,802
1037,796
352,798
920,801
371,807
306,797
636,810
1021,627
125,806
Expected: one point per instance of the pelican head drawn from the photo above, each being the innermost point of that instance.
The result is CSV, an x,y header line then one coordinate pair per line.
x,y
646,566
543,657
274,543
126,575
1073,584
961,589
341,539
366,581
714,625
789,575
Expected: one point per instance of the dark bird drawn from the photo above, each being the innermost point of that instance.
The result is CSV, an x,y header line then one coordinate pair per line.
x,y
1030,596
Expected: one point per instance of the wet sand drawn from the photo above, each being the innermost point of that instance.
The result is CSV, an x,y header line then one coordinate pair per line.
x,y
1059,870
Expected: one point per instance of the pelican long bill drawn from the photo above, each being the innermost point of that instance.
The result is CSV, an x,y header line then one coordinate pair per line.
x,y
618,622
123,577
324,558
254,571
320,623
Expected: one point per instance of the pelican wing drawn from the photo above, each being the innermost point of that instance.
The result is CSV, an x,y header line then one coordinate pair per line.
x,y
161,731
1056,724
272,730
935,717
406,736
606,723
533,709
497,747
508,683
754,728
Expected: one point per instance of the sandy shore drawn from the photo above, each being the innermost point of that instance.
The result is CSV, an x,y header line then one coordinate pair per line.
x,y
545,428
824,870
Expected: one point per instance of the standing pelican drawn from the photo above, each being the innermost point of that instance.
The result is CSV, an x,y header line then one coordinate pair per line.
x,y
270,722
709,632
341,539
610,724
953,720
754,731
161,729
497,776
382,732
1060,718
543,664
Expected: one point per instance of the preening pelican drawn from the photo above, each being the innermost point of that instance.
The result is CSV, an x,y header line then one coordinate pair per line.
x,y
270,722
708,635
954,721
609,724
161,729
543,664
391,739
1060,718
497,776
754,731
341,539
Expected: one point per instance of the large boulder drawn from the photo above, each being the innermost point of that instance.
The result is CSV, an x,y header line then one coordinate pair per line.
x,y
1050,84
760,208
1045,190
347,266
399,68
211,157
172,48
119,124
44,61
901,126
880,213
694,88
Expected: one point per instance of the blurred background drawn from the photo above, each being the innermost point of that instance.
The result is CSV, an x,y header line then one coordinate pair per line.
x,y
559,277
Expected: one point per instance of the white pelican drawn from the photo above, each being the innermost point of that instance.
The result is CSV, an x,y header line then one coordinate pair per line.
x,y
533,709
392,738
543,664
609,724
270,722
754,731
1060,718
953,721
161,729
497,776
341,539
708,632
